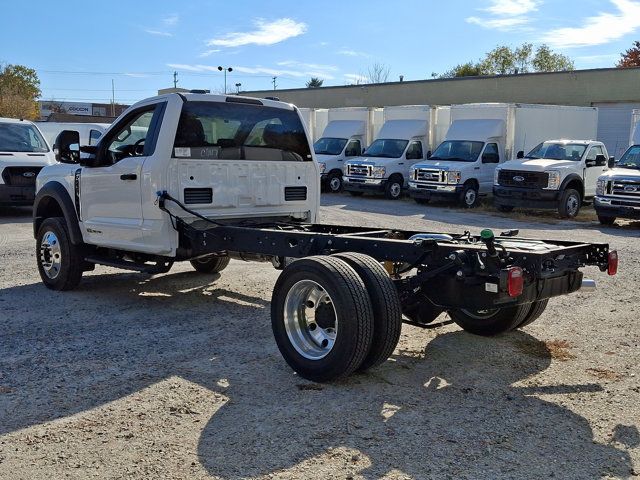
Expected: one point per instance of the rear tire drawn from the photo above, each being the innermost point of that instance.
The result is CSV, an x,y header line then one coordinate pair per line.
x,y
387,311
489,323
505,208
570,203
537,309
606,220
60,262
322,318
210,264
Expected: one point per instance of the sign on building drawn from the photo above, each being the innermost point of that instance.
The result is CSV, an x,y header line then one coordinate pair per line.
x,y
74,108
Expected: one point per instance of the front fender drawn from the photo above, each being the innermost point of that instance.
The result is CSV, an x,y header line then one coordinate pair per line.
x,y
53,191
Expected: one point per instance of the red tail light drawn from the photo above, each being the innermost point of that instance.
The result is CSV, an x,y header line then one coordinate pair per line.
x,y
612,267
515,281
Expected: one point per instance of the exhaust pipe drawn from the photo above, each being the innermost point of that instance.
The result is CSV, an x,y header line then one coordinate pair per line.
x,y
588,285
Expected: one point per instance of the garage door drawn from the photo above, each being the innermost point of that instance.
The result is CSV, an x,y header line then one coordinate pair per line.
x,y
614,125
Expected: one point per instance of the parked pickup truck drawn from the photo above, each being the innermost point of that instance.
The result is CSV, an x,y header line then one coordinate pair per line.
x,y
217,177
23,152
618,190
557,174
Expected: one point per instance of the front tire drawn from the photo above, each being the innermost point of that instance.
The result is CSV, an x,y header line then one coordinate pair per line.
x,y
469,196
606,220
489,323
322,318
334,182
393,188
570,203
60,262
210,264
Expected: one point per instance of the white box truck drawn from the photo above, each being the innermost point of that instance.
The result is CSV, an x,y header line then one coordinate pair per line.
x,y
406,137
348,132
90,133
484,135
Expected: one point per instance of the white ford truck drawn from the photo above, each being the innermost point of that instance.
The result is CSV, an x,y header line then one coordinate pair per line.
x,y
557,174
483,136
219,177
618,190
23,152
405,138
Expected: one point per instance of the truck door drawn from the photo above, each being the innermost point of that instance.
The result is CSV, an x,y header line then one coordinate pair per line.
x,y
591,173
110,194
489,159
415,154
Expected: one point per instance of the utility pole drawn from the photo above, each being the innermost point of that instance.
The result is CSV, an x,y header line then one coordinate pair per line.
x,y
275,85
175,79
113,98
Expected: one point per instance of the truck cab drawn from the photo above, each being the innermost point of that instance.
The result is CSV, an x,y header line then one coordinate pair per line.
x,y
341,141
23,153
618,190
461,168
556,174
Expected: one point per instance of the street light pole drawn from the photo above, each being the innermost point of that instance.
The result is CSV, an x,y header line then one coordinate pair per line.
x,y
238,85
225,70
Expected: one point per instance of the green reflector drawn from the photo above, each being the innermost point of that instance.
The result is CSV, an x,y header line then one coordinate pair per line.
x,y
487,234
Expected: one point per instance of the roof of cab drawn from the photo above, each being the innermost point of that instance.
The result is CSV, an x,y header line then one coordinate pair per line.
x,y
568,140
209,97
14,120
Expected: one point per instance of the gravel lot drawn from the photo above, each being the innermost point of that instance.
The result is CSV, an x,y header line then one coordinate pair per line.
x,y
177,376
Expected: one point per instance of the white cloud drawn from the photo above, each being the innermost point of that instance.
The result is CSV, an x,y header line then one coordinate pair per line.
x,y
171,20
512,8
136,75
189,68
600,29
210,52
266,33
610,58
506,15
355,78
352,53
312,66
158,33
260,70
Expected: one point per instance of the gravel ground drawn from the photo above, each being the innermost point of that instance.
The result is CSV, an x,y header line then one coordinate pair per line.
x,y
177,376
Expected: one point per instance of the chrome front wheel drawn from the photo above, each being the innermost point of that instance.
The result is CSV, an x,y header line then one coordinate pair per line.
x,y
50,255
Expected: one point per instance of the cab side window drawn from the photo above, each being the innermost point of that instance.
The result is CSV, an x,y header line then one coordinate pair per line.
x,y
94,136
594,152
353,149
129,138
491,154
414,151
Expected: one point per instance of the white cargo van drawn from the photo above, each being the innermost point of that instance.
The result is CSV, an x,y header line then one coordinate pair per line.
x,y
405,138
482,136
90,133
348,132
23,153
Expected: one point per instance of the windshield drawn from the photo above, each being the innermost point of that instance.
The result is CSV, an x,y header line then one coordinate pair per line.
x,y
21,137
386,148
329,146
458,151
236,131
558,151
630,159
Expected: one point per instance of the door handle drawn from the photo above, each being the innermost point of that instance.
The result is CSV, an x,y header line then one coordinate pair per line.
x,y
128,176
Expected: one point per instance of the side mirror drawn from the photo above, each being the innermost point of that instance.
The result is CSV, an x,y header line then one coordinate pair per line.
x,y
490,158
601,160
429,154
612,162
67,146
520,155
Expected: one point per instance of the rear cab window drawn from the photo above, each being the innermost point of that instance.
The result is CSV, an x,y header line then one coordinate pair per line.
x,y
224,131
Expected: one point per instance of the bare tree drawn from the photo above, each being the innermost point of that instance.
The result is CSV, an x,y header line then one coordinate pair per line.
x,y
376,73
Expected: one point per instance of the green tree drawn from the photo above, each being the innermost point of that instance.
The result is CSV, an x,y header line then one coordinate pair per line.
x,y
315,82
630,58
468,69
545,60
19,89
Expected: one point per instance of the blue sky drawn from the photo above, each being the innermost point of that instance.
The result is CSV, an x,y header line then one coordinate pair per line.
x,y
78,47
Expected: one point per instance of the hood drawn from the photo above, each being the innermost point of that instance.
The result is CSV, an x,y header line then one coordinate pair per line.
x,y
26,159
621,172
326,158
442,165
538,164
367,160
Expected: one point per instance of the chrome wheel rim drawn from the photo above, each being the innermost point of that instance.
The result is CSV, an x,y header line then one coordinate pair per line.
x,y
334,184
50,255
470,197
573,204
395,189
310,320
480,314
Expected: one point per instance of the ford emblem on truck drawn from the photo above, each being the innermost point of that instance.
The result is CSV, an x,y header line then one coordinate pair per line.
x,y
29,174
518,178
629,188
